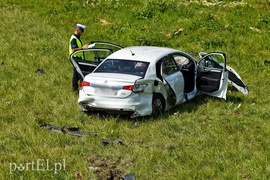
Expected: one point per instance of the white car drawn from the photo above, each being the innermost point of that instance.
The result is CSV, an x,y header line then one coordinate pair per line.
x,y
148,80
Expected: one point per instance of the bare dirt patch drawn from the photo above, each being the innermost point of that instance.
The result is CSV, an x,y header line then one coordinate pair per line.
x,y
108,168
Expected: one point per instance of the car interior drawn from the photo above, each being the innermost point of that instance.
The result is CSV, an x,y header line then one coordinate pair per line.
x,y
187,67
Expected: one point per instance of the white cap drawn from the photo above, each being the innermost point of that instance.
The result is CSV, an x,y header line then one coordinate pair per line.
x,y
81,27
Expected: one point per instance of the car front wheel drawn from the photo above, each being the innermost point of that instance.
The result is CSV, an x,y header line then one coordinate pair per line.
x,y
157,105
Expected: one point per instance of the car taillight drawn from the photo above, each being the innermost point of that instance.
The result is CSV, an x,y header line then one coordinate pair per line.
x,y
130,87
139,88
84,83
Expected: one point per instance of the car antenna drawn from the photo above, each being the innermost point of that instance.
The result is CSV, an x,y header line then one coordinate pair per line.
x,y
131,52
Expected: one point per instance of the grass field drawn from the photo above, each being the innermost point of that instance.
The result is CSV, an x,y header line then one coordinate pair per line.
x,y
205,138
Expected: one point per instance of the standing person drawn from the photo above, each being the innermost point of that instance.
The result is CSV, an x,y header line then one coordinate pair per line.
x,y
75,44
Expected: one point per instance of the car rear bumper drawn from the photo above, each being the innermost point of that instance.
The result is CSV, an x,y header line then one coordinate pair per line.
x,y
134,105
121,111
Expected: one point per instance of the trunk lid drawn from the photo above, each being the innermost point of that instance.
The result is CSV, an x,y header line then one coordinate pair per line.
x,y
109,84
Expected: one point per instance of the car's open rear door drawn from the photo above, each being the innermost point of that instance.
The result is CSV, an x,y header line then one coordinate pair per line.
x,y
212,75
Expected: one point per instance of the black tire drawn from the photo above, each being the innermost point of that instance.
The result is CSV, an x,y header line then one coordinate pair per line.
x,y
158,105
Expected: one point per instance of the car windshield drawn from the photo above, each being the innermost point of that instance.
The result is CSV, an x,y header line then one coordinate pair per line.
x,y
131,67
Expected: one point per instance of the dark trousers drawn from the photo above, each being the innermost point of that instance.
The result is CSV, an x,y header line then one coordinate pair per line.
x,y
75,78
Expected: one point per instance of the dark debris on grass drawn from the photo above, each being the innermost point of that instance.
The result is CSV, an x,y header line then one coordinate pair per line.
x,y
40,71
66,130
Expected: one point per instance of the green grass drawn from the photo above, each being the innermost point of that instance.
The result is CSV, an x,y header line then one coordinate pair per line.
x,y
205,138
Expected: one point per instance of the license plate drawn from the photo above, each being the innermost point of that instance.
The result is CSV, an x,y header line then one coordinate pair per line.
x,y
106,91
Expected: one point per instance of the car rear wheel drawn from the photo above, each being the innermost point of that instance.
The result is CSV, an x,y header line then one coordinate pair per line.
x,y
157,105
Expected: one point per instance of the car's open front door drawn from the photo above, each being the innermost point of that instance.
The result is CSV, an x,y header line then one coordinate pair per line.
x,y
92,58
212,75
93,55
234,78
106,45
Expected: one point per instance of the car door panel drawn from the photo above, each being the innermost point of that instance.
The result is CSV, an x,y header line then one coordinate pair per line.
x,y
175,88
93,57
233,77
173,81
106,45
209,79
212,75
86,66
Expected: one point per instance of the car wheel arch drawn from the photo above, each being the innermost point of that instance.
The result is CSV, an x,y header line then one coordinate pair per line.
x,y
158,110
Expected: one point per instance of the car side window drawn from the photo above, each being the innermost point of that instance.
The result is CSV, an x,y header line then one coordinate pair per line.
x,y
212,61
180,60
96,56
168,66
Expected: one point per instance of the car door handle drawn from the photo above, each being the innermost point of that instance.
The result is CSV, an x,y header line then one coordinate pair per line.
x,y
216,71
210,70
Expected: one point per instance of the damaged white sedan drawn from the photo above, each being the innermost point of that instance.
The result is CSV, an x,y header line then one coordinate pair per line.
x,y
147,80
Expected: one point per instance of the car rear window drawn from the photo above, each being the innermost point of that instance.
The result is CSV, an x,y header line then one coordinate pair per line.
x,y
137,68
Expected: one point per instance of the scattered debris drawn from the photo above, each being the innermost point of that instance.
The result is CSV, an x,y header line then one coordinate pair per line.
x,y
224,4
129,177
106,142
72,131
2,63
266,62
104,22
66,130
178,31
254,29
238,106
110,168
40,71
51,128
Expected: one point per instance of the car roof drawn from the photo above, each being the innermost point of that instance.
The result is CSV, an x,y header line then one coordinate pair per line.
x,y
142,53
